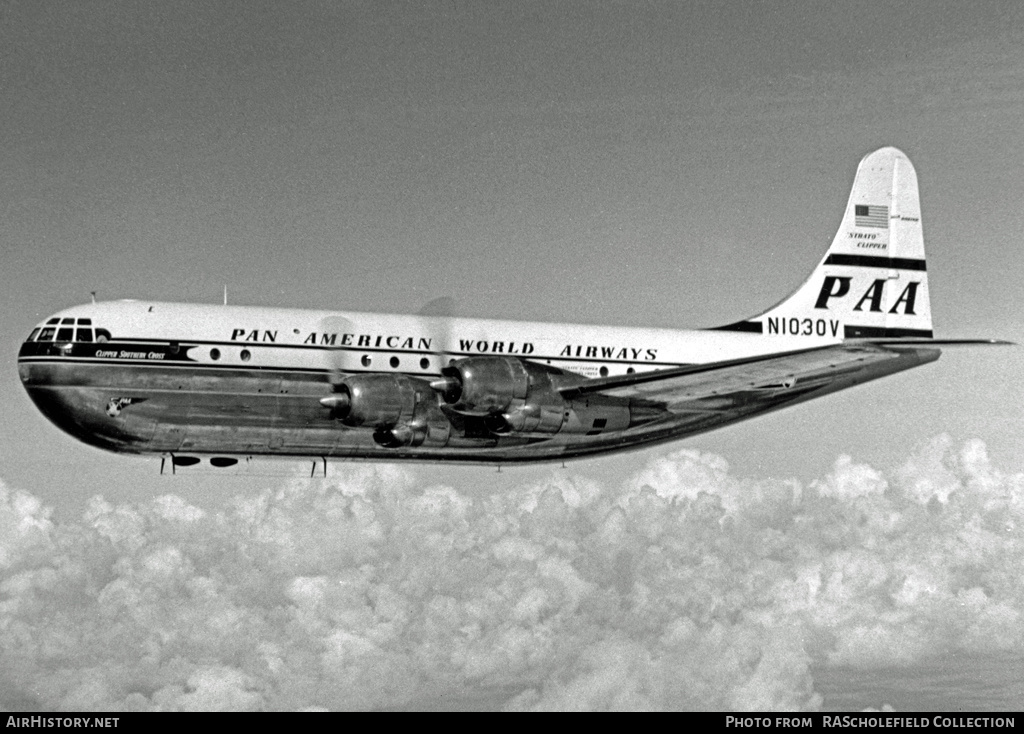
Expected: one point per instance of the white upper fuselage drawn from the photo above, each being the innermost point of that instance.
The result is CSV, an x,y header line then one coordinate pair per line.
x,y
286,338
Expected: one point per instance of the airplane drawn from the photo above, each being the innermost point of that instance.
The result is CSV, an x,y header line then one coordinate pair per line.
x,y
192,381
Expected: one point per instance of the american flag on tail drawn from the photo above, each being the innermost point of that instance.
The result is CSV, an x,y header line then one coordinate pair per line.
x,y
865,215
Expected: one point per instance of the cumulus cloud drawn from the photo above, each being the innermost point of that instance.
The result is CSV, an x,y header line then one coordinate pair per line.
x,y
684,587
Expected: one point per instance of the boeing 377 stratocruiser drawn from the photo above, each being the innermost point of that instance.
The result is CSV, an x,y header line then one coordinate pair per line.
x,y
185,381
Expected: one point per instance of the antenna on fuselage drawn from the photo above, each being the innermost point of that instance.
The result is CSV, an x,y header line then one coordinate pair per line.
x,y
225,294
93,294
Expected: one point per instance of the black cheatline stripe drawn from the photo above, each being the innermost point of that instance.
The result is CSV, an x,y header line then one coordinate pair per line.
x,y
873,261
753,327
157,364
877,332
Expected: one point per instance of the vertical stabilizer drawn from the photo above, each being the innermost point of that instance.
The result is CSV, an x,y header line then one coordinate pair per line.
x,y
872,282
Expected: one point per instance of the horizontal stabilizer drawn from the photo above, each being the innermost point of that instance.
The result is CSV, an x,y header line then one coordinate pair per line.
x,y
925,342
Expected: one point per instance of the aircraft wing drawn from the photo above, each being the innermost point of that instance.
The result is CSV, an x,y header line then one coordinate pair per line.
x,y
769,377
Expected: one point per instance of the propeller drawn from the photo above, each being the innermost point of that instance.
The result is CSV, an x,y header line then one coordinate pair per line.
x,y
437,324
339,402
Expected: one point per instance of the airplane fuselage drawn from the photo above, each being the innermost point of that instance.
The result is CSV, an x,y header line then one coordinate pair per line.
x,y
165,378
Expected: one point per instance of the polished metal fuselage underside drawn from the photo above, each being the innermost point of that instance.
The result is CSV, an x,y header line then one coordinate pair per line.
x,y
174,408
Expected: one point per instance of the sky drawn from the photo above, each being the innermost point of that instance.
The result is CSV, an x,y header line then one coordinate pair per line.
x,y
664,164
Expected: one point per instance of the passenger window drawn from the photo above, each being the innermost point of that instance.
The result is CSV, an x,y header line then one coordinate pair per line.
x,y
32,336
64,335
47,335
84,335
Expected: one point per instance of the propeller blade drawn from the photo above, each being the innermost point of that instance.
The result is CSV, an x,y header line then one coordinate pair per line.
x,y
336,324
436,323
442,306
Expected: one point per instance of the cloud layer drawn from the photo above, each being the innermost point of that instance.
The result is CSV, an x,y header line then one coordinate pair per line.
x,y
682,588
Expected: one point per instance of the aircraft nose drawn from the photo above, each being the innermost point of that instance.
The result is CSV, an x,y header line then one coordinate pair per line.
x,y
76,413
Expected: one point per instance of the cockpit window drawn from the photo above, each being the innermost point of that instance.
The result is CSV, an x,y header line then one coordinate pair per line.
x,y
68,333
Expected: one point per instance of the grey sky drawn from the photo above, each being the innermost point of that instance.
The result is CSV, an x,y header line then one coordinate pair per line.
x,y
674,164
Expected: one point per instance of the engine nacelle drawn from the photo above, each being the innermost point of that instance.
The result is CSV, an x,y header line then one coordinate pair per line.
x,y
402,411
513,396
485,385
376,400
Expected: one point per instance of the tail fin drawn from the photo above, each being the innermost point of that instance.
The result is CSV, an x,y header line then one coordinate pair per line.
x,y
872,283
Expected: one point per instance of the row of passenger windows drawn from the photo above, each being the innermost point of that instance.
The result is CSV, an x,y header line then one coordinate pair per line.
x,y
367,360
394,362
